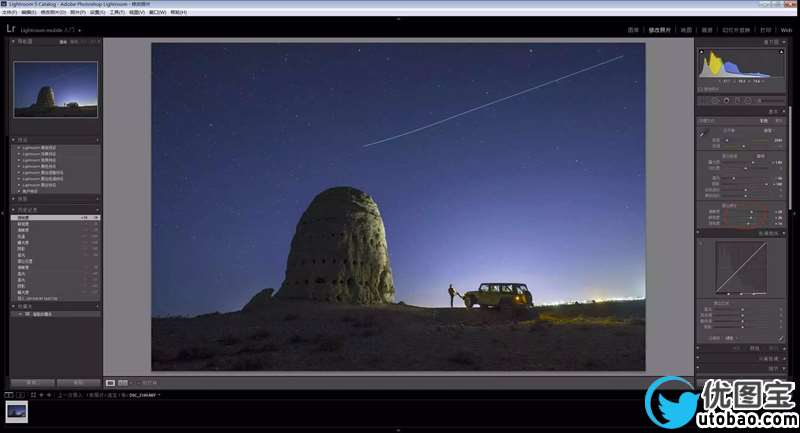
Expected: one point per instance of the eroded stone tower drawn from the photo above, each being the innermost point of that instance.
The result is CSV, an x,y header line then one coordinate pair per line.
x,y
339,251
46,97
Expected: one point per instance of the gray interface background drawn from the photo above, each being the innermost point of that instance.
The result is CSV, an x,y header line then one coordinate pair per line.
x,y
669,233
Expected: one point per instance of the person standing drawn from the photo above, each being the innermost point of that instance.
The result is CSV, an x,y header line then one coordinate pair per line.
x,y
452,292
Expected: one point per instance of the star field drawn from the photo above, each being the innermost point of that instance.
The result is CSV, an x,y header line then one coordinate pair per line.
x,y
546,188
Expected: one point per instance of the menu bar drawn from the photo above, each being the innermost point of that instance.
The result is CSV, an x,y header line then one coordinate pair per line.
x,y
399,8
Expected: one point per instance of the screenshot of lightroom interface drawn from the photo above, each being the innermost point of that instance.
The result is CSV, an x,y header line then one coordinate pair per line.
x,y
424,213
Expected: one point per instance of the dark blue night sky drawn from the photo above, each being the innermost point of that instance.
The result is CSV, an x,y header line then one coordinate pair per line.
x,y
547,188
71,82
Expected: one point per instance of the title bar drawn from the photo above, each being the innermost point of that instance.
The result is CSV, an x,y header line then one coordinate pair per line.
x,y
400,8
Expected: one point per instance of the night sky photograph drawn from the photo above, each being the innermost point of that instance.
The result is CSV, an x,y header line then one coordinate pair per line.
x,y
513,162
70,81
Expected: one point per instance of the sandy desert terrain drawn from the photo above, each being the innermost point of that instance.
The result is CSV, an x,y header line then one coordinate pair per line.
x,y
86,111
293,335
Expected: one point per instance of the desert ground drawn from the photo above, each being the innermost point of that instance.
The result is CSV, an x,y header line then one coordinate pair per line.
x,y
294,335
86,111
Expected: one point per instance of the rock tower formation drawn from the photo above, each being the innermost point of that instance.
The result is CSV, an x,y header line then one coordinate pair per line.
x,y
339,251
46,97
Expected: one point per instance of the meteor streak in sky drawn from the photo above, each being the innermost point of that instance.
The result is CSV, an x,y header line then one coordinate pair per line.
x,y
70,72
481,198
496,101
